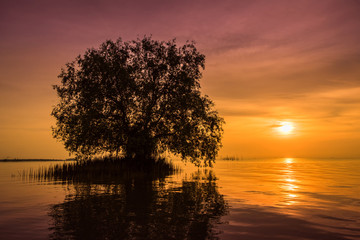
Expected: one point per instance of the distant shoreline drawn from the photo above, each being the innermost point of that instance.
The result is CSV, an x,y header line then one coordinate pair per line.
x,y
34,160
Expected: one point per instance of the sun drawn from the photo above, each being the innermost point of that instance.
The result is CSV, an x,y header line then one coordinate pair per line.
x,y
285,128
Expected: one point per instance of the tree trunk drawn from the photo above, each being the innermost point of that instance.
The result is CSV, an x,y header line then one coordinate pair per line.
x,y
140,146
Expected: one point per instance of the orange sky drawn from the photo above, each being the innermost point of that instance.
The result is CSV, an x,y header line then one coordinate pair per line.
x,y
266,62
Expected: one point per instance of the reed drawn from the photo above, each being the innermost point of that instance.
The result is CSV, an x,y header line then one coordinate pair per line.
x,y
102,169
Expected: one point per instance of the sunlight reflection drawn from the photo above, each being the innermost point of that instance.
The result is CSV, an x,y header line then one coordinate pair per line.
x,y
291,187
289,160
292,195
291,199
288,180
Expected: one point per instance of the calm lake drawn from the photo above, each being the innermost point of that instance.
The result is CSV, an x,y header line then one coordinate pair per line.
x,y
246,199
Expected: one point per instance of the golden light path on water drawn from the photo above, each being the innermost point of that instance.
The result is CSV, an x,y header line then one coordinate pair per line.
x,y
293,186
265,182
289,186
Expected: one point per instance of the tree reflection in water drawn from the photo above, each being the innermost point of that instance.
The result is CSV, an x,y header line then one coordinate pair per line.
x,y
141,207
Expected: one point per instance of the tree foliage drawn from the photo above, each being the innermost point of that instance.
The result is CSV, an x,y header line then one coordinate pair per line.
x,y
139,98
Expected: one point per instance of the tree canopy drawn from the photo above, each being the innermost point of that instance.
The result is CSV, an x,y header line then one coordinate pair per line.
x,y
137,98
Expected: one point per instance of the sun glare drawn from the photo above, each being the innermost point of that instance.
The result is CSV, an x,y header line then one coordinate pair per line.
x,y
285,128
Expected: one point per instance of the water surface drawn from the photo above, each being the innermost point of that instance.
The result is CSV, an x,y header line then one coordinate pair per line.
x,y
245,199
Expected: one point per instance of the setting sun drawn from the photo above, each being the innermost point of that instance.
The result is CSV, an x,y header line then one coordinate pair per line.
x,y
285,128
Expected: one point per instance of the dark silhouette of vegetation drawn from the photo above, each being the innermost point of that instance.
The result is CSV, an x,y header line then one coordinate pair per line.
x,y
231,158
137,99
135,207
101,169
30,160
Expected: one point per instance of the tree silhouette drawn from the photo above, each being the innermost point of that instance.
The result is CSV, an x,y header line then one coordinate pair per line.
x,y
138,98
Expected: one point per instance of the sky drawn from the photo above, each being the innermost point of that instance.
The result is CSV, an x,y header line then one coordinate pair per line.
x,y
267,62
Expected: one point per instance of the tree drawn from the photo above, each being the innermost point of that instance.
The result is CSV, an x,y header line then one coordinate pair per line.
x,y
139,98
